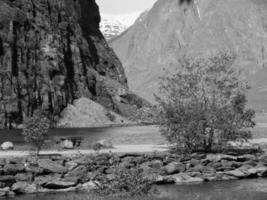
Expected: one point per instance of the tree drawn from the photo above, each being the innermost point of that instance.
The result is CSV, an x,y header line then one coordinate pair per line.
x,y
36,129
204,102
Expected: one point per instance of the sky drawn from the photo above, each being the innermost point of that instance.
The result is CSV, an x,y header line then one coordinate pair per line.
x,y
124,6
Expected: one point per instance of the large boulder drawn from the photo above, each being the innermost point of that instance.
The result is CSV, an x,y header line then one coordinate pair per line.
x,y
7,146
50,166
4,191
184,179
237,173
12,169
174,167
67,144
24,188
58,184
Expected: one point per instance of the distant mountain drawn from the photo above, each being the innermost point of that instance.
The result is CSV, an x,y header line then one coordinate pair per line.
x,y
153,46
113,25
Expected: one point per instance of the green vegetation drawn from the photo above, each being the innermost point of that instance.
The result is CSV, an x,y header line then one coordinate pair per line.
x,y
203,105
125,182
36,130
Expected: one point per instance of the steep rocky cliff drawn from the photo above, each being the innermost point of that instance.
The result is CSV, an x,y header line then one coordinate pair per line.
x,y
155,43
51,53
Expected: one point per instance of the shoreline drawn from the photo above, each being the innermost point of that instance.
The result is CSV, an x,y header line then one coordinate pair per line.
x,y
74,172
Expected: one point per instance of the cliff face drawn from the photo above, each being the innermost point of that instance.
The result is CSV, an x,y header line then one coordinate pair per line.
x,y
155,43
51,53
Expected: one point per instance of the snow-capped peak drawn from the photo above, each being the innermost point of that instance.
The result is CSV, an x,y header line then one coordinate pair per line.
x,y
113,25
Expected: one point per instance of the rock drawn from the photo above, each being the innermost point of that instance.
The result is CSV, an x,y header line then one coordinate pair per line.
x,y
7,146
155,164
184,179
24,177
24,188
78,173
197,168
174,167
89,186
2,185
58,184
50,166
193,162
102,144
219,157
220,176
34,169
67,144
4,191
8,179
2,161
12,169
247,157
15,160
260,171
41,180
237,173
71,165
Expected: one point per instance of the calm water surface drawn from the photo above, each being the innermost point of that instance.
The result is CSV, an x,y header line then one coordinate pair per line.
x,y
233,190
118,135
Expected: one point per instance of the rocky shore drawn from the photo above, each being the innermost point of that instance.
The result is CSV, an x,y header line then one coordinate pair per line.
x,y
82,172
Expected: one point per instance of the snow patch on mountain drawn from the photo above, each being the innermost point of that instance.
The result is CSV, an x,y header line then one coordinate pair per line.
x,y
113,25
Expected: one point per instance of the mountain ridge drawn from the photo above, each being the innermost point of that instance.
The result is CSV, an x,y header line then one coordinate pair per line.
x,y
170,30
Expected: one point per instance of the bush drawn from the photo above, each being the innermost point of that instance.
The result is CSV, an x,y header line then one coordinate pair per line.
x,y
35,130
204,103
125,182
110,116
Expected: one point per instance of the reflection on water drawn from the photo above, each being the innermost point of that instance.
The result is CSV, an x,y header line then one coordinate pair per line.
x,y
251,189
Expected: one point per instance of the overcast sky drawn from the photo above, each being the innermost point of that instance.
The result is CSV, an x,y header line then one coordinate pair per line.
x,y
124,6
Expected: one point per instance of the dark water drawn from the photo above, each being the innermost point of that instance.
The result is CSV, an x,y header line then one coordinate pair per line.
x,y
118,135
255,189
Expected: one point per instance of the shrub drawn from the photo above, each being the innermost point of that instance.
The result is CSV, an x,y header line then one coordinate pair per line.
x,y
125,182
204,103
35,130
110,116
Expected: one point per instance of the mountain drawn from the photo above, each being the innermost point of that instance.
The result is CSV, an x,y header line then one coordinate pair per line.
x,y
152,47
113,25
53,53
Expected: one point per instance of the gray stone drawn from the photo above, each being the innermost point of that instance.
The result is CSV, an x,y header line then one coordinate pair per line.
x,y
7,179
7,146
24,188
50,166
246,157
4,191
88,186
58,184
12,169
237,173
174,167
24,177
185,178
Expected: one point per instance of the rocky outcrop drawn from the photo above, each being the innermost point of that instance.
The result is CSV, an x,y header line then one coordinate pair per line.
x,y
52,53
85,172
153,46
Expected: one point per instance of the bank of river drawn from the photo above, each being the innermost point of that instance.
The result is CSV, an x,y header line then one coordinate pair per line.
x,y
249,189
84,172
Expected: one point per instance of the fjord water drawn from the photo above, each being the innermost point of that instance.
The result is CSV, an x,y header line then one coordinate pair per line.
x,y
118,135
251,189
